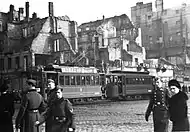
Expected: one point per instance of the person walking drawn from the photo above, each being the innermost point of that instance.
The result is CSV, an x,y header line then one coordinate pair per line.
x,y
61,113
32,105
6,108
178,108
158,104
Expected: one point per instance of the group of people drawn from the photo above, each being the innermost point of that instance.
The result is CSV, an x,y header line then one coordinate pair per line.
x,y
168,104
55,111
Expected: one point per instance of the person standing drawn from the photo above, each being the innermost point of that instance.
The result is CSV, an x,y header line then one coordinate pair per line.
x,y
51,97
61,113
32,105
178,107
158,104
6,108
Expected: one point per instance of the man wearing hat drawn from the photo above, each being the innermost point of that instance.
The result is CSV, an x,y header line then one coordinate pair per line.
x,y
51,97
178,107
159,106
32,105
61,113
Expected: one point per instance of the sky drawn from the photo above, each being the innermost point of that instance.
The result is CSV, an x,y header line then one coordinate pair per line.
x,y
83,11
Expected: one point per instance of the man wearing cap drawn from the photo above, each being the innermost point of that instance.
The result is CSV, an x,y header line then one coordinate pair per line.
x,y
178,108
50,91
50,99
32,105
158,104
61,113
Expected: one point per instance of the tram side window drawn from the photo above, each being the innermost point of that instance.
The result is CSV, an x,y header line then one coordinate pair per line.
x,y
83,80
131,80
61,80
143,82
67,80
127,80
73,80
92,80
147,81
78,80
87,80
136,81
97,80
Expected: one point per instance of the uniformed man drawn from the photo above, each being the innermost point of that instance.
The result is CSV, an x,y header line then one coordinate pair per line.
x,y
159,106
51,97
32,105
6,107
61,113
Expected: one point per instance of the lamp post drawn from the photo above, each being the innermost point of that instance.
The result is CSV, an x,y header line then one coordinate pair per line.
x,y
121,41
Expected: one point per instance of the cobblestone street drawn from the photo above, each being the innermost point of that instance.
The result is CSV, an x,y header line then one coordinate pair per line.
x,y
124,116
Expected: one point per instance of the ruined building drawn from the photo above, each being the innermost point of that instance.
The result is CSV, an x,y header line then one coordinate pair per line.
x,y
110,42
27,43
165,33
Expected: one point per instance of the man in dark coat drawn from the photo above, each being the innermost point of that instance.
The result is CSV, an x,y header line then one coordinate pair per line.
x,y
61,113
178,107
159,106
32,105
6,108
51,97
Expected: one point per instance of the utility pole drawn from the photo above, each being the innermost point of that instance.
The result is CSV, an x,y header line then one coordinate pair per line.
x,y
163,36
182,40
121,42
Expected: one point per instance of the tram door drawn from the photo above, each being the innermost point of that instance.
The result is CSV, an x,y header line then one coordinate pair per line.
x,y
120,85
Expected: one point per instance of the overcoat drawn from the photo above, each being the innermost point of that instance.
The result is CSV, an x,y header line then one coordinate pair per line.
x,y
179,112
61,115
31,106
159,106
51,97
6,112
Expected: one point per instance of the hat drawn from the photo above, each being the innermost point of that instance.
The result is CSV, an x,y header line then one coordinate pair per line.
x,y
174,82
59,87
31,81
50,80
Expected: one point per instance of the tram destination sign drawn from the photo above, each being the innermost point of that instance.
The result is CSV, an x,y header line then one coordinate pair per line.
x,y
79,69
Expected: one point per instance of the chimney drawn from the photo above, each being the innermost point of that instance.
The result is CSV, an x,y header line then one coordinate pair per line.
x,y
27,10
51,9
20,13
34,15
11,12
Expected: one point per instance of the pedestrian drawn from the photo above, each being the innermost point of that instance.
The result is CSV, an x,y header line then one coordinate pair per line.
x,y
51,97
178,107
61,113
6,108
50,91
32,105
158,105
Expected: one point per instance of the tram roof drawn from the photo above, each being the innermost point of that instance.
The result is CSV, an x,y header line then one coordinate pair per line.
x,y
129,72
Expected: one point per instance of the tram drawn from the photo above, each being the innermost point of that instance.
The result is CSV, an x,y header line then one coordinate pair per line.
x,y
78,83
125,84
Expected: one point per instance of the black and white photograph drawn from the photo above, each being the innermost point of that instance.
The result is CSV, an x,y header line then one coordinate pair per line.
x,y
95,66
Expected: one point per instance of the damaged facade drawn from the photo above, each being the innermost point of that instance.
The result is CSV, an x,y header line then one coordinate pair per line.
x,y
165,33
29,43
110,43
